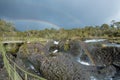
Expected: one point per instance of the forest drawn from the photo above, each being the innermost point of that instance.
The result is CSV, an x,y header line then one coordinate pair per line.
x,y
106,31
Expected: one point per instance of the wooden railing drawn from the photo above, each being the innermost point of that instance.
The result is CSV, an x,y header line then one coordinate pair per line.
x,y
12,68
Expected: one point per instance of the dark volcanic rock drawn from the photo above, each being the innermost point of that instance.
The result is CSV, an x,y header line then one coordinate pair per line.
x,y
107,56
52,67
3,74
25,57
104,72
62,67
75,48
1,61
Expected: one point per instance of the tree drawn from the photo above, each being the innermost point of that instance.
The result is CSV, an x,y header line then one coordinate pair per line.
x,y
6,26
104,26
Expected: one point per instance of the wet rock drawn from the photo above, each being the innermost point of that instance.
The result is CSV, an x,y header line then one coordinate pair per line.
x,y
27,66
109,58
52,47
1,61
72,47
104,73
37,59
3,74
25,58
75,48
52,67
62,67
106,56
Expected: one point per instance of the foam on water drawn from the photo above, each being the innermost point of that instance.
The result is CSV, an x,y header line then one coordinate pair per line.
x,y
94,40
56,42
82,62
55,51
93,78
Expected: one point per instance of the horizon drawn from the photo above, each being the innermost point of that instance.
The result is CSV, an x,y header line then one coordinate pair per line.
x,y
26,25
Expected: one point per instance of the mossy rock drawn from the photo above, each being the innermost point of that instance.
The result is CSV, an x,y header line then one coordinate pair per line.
x,y
12,48
28,49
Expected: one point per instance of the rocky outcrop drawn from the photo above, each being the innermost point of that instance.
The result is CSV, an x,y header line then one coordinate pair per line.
x,y
37,59
60,66
106,56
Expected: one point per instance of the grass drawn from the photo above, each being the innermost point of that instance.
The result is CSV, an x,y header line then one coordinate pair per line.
x,y
12,70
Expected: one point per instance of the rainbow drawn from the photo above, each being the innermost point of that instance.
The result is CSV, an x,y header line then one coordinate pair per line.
x,y
37,21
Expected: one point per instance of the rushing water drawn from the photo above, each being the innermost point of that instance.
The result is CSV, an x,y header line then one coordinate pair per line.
x,y
102,40
94,40
112,45
92,77
87,63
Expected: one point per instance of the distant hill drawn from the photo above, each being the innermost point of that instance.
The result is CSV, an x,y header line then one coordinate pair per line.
x,y
6,26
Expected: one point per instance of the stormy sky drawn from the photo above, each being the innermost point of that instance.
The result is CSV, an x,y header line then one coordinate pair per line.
x,y
62,13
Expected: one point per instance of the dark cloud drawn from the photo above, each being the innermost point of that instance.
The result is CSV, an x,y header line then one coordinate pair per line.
x,y
65,13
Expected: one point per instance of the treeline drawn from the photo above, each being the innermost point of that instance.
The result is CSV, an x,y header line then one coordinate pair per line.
x,y
6,26
103,31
